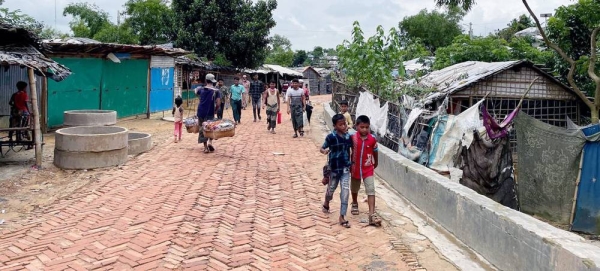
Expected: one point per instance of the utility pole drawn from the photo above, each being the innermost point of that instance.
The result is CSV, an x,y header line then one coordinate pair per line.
x,y
471,30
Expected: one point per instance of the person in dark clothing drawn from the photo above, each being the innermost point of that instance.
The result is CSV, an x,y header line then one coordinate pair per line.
x,y
209,97
257,88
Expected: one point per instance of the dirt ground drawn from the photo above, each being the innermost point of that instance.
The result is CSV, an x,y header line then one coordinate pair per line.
x,y
24,189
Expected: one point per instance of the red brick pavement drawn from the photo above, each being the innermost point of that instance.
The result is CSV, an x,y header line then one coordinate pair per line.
x,y
240,208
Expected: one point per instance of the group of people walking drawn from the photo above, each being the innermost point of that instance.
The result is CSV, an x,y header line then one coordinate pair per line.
x,y
215,97
352,158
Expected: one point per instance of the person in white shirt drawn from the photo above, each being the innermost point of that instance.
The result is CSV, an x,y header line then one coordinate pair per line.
x,y
296,107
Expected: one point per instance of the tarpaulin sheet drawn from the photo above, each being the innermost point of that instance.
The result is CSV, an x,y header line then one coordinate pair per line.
x,y
460,129
370,107
587,210
488,169
549,158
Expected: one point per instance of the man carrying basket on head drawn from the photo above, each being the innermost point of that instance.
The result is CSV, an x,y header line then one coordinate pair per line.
x,y
210,99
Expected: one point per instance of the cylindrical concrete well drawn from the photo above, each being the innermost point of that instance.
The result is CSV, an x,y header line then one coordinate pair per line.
x,y
139,143
90,118
89,147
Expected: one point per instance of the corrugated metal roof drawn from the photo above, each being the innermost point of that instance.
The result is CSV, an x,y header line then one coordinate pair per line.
x,y
89,46
283,70
418,64
19,46
454,78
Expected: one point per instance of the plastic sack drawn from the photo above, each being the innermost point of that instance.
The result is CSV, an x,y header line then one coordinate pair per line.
x,y
304,119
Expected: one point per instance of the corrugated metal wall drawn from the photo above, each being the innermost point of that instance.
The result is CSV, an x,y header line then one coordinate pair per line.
x,y
9,76
125,87
162,83
313,78
79,91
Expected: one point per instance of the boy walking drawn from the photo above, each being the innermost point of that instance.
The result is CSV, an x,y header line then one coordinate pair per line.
x,y
344,111
364,161
257,88
338,146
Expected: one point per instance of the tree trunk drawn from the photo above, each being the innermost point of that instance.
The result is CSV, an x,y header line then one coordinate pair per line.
x,y
37,132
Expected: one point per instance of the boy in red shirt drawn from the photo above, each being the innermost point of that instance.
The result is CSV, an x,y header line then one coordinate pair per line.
x,y
364,161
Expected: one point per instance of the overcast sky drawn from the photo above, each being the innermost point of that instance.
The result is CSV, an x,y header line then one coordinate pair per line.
x,y
310,23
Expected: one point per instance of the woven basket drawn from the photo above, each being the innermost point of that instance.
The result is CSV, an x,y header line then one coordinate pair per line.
x,y
193,129
219,134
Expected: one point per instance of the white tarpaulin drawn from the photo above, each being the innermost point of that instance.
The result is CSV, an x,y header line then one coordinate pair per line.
x,y
458,129
412,117
370,107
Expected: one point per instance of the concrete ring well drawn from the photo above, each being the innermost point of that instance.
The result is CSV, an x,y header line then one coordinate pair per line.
x,y
89,160
91,138
90,118
139,143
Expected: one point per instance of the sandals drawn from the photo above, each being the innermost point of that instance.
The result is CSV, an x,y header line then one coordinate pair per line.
x,y
301,133
295,136
345,224
354,209
205,150
211,148
374,220
325,209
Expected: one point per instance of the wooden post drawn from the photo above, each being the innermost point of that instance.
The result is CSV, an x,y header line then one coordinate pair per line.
x,y
44,106
572,217
37,133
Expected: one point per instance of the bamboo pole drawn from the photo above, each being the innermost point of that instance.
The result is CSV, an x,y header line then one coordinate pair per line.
x,y
576,191
37,133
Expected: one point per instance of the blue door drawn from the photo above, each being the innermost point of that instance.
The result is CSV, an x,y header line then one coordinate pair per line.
x,y
161,89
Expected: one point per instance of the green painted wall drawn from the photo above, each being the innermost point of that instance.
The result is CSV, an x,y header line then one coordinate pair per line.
x,y
99,84
79,91
125,87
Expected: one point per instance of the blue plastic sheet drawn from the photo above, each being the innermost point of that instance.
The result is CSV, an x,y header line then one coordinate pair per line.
x,y
587,209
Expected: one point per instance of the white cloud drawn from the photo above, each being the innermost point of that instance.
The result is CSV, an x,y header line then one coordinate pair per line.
x,y
326,23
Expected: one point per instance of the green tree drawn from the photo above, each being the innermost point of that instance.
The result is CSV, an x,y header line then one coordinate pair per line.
x,y
51,33
370,62
152,21
17,18
330,51
434,29
571,29
116,34
88,19
587,12
317,55
280,57
280,42
487,49
237,29
516,25
299,58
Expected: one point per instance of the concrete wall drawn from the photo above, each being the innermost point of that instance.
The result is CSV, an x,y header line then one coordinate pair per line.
x,y
508,239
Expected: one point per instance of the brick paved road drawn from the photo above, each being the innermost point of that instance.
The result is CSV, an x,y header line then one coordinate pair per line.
x,y
241,207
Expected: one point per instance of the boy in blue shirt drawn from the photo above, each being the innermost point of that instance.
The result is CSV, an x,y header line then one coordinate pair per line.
x,y
338,145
